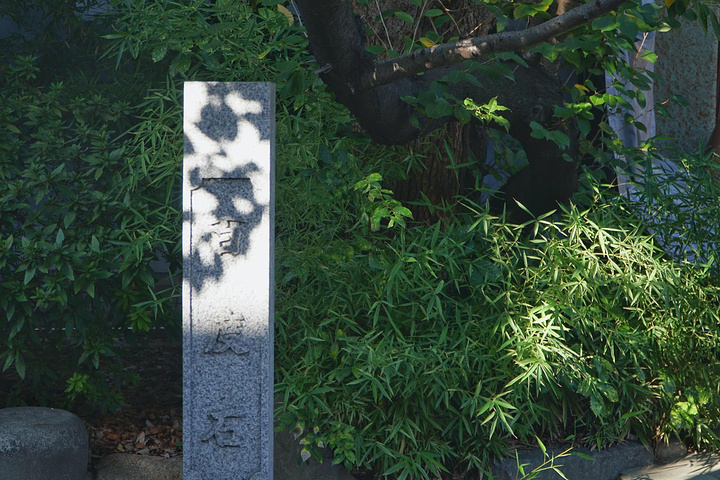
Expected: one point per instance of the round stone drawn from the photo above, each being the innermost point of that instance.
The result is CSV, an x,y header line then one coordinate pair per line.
x,y
42,444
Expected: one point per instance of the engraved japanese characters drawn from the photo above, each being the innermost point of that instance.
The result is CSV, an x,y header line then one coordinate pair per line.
x,y
228,274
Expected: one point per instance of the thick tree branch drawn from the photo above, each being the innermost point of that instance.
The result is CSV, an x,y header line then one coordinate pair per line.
x,y
338,43
475,48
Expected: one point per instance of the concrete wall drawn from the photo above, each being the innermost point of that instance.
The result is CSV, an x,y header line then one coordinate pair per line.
x,y
687,62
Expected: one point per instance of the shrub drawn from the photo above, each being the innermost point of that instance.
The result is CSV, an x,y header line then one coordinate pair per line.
x,y
78,224
413,351
439,346
679,201
409,351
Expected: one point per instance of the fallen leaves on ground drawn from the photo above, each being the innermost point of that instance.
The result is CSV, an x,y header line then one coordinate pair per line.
x,y
155,432
150,423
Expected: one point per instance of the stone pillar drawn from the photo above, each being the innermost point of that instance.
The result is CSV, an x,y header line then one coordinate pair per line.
x,y
228,245
687,64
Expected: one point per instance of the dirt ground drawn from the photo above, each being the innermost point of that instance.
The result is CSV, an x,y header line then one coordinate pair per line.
x,y
150,422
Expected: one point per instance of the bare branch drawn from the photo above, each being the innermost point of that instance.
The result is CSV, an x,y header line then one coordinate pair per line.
x,y
474,48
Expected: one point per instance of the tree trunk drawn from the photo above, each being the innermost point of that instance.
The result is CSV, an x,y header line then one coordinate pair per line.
x,y
433,177
338,40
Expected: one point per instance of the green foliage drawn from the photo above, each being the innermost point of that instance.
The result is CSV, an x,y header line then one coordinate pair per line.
x,y
548,464
91,151
486,113
382,205
222,41
681,205
439,345
418,351
412,352
590,50
76,234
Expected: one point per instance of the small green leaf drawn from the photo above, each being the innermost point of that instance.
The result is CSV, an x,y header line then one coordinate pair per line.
x,y
116,154
538,131
8,361
29,274
405,17
181,63
59,238
531,9
541,445
69,218
605,24
584,456
649,56
20,365
433,12
628,26
147,277
403,212
159,53
562,140
68,271
376,49
632,414
94,244
83,356
597,406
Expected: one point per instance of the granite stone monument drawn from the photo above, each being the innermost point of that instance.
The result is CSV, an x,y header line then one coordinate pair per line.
x,y
228,244
688,64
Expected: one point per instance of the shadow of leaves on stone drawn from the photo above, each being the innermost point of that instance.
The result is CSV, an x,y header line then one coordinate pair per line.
x,y
236,207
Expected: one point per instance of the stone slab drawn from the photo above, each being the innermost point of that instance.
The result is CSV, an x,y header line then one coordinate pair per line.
x,y
670,451
126,466
228,246
289,464
42,444
608,464
692,467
